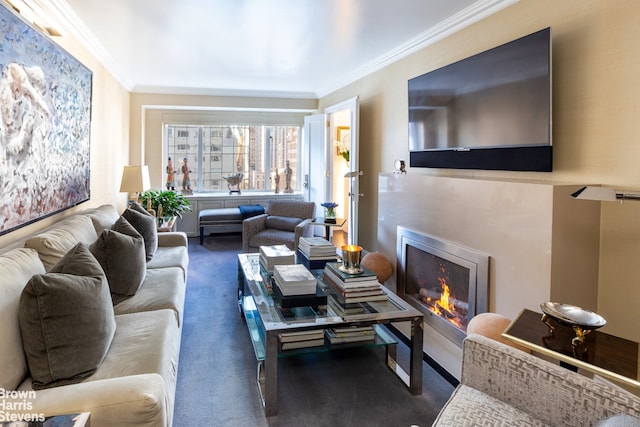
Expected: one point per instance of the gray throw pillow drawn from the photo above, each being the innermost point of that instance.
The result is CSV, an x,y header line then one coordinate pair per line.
x,y
66,320
121,253
620,420
146,226
282,222
138,208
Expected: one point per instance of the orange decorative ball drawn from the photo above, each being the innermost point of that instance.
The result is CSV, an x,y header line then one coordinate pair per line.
x,y
379,264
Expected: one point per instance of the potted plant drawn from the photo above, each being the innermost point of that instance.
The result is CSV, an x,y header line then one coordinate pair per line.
x,y
166,204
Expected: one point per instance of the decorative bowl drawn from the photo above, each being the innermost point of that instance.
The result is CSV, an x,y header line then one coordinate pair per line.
x,y
580,320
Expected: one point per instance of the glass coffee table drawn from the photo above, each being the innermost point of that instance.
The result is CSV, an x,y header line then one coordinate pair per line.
x,y
266,321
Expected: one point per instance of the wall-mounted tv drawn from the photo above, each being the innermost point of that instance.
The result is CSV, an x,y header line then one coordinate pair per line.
x,y
489,111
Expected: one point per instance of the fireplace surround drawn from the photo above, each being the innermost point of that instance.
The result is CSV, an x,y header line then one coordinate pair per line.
x,y
447,282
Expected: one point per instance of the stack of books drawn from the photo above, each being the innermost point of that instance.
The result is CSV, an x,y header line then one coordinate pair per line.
x,y
315,252
350,334
271,256
303,339
352,288
294,279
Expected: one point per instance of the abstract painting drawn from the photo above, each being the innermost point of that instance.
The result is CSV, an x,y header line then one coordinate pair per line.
x,y
45,125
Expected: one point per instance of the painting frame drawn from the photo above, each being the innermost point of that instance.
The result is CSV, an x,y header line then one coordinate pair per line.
x,y
343,135
45,125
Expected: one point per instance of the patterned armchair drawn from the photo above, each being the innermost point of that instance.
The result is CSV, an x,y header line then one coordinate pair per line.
x,y
283,223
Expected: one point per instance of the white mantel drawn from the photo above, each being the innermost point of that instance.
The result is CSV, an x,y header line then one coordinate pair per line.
x,y
543,244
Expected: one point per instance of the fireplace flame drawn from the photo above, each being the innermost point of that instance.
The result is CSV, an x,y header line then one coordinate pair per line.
x,y
444,306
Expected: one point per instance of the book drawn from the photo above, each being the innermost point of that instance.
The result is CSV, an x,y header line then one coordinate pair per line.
x,y
373,289
302,344
294,279
305,300
348,337
371,281
366,274
342,310
313,263
353,330
271,256
316,247
301,335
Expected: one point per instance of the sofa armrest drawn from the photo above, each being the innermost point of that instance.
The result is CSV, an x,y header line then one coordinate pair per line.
x,y
305,228
173,238
136,400
251,226
546,391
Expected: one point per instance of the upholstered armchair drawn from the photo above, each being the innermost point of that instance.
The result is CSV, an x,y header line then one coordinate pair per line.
x,y
283,223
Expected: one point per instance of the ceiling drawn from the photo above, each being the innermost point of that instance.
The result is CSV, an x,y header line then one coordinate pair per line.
x,y
303,48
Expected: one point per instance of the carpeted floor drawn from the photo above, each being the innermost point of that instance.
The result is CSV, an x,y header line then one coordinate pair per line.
x,y
217,371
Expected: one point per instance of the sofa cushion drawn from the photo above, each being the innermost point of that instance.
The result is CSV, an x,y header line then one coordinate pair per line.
x,y
467,406
146,226
121,253
67,321
16,268
163,288
282,222
103,217
54,243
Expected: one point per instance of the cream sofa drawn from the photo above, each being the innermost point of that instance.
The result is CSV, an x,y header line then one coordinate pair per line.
x,y
134,385
504,386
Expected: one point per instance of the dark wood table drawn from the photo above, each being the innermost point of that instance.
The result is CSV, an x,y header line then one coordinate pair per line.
x,y
328,223
611,357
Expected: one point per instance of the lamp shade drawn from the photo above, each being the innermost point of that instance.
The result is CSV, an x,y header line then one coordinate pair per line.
x,y
135,179
595,193
604,194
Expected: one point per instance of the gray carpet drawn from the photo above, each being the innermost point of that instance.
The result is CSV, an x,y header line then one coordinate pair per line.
x,y
217,371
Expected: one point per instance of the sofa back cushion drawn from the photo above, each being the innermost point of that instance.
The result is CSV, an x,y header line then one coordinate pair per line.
x,y
103,217
291,208
282,222
55,242
16,268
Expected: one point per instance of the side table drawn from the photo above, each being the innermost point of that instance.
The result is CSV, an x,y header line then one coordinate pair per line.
x,y
328,223
611,357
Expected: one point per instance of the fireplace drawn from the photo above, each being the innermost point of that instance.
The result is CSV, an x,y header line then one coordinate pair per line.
x,y
446,281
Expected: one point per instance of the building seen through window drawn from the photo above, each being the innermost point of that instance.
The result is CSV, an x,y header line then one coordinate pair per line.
x,y
214,152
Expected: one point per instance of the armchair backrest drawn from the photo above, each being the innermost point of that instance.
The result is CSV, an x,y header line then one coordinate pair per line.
x,y
291,208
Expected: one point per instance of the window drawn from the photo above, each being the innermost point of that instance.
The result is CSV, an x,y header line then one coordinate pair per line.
x,y
214,152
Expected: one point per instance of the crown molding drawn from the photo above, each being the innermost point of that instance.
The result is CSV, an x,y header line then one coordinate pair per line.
x,y
479,10
72,23
223,92
466,17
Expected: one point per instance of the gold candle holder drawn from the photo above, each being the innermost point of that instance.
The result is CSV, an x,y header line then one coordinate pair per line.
x,y
351,256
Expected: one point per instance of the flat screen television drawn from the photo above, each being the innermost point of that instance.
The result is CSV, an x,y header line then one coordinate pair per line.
x,y
489,111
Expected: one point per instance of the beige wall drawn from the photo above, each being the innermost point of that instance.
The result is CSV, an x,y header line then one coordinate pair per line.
x,y
109,140
596,101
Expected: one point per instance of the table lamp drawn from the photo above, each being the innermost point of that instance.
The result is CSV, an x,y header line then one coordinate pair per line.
x,y
135,180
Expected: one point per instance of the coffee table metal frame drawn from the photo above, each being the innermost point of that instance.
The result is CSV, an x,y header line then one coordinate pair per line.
x,y
265,322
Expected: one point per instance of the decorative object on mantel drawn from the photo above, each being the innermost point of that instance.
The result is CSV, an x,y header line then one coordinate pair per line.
x,y
343,142
45,125
329,211
604,194
399,167
580,320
